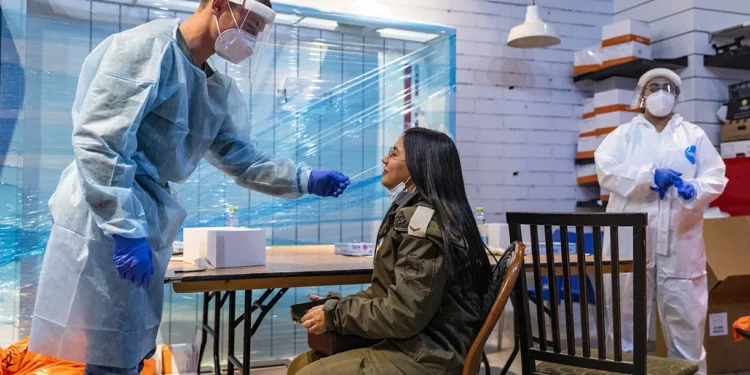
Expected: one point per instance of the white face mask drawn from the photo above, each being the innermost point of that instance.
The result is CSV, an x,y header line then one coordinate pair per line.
x,y
660,103
234,45
393,193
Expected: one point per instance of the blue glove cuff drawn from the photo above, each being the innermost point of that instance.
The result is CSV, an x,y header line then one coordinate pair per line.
x,y
303,175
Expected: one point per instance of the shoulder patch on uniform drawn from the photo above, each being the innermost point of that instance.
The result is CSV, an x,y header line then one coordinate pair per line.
x,y
400,223
420,221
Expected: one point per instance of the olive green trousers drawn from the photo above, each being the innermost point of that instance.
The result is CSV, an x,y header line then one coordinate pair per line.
x,y
360,361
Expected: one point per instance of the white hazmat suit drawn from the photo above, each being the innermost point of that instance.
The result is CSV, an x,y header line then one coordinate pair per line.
x,y
676,257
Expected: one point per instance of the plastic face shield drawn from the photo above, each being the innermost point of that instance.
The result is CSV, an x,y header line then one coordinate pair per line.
x,y
257,20
650,87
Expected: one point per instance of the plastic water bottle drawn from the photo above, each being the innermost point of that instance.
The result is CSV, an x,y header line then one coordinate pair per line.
x,y
481,223
233,220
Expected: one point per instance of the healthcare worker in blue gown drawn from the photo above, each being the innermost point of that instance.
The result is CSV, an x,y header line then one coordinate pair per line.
x,y
148,108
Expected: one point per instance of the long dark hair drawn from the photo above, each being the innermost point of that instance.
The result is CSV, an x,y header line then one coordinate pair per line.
x,y
435,168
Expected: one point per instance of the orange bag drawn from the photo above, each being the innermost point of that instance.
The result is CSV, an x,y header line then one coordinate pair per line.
x,y
740,324
18,360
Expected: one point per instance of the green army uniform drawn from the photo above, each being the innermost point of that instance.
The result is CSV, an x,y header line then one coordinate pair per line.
x,y
426,323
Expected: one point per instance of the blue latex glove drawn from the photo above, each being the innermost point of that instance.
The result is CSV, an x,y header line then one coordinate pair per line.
x,y
327,183
685,190
132,258
664,179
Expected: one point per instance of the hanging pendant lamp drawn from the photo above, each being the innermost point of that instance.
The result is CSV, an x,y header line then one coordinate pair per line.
x,y
533,33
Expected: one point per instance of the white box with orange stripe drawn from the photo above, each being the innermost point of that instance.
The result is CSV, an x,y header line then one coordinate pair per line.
x,y
625,41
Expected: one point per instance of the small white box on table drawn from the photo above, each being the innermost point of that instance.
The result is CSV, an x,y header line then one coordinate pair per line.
x,y
225,246
356,249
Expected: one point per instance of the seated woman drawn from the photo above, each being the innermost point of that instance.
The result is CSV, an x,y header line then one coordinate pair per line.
x,y
430,273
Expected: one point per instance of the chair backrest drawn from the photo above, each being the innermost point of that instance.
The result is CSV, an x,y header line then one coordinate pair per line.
x,y
562,265
505,274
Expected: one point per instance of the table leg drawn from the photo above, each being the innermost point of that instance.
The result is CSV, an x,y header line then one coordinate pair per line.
x,y
230,332
248,326
204,328
217,330
247,332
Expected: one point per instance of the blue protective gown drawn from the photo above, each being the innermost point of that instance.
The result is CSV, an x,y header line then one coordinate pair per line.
x,y
143,117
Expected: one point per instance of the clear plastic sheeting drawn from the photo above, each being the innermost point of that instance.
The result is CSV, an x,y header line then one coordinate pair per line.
x,y
333,91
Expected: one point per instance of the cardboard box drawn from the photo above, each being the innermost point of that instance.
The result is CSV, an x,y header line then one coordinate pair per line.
x,y
626,52
588,60
226,247
626,31
586,174
727,260
731,150
736,130
728,266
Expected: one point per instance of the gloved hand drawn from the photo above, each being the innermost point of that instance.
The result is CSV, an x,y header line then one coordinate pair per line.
x,y
664,179
327,183
132,258
685,190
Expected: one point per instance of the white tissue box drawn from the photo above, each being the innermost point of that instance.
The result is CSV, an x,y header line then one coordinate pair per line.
x,y
626,31
626,52
226,247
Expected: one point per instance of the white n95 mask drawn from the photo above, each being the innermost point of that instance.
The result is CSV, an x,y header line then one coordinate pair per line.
x,y
393,193
660,103
234,45
253,24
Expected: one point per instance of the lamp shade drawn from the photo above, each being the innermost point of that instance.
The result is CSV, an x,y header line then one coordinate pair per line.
x,y
533,33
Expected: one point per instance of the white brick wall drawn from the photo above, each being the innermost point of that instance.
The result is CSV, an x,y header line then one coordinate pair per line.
x,y
517,109
682,27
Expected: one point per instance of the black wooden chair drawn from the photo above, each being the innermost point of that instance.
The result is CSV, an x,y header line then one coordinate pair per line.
x,y
549,357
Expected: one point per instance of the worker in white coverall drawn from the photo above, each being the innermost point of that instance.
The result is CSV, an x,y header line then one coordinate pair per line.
x,y
664,166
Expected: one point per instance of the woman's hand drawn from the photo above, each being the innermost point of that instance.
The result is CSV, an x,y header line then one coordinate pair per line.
x,y
315,321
